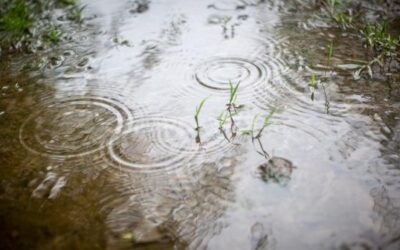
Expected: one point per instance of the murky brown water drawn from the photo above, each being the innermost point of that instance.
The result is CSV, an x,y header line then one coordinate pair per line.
x,y
98,146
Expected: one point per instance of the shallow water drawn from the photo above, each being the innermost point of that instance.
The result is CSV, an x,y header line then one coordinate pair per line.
x,y
99,148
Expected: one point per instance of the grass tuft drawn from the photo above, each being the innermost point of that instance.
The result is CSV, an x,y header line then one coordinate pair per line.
x,y
16,20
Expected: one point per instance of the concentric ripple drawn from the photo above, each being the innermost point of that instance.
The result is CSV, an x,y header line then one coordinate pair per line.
x,y
218,72
160,143
214,75
73,127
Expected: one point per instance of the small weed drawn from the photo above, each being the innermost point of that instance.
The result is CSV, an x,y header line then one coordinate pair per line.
x,y
343,19
222,118
196,118
53,34
383,45
367,66
28,26
256,136
75,14
313,83
330,53
231,110
233,93
377,37
267,122
329,58
16,20
197,112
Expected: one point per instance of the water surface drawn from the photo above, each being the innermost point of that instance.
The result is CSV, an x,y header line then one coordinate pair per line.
x,y
98,149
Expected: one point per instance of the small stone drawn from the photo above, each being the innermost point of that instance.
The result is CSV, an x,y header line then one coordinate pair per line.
x,y
277,169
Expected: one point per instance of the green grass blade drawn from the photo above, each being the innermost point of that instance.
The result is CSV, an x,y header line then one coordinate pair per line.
x,y
233,92
330,52
269,116
198,108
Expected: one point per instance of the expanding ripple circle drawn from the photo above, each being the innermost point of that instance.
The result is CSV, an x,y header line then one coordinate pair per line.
x,y
161,143
216,73
152,143
73,127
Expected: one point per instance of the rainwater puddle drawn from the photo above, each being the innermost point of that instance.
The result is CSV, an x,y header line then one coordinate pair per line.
x,y
102,152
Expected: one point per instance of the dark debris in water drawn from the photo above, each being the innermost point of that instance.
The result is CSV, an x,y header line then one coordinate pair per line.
x,y
276,169
139,6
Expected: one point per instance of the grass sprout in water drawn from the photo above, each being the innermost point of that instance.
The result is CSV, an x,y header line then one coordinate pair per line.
x,y
53,34
75,14
313,84
231,111
196,118
222,119
233,93
256,134
330,53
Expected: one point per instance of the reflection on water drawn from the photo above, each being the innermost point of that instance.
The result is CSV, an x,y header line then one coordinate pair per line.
x,y
182,206
98,143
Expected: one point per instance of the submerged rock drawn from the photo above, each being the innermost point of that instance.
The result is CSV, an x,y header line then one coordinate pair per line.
x,y
139,6
276,169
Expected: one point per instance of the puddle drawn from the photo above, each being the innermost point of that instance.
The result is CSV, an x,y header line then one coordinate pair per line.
x,y
99,142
